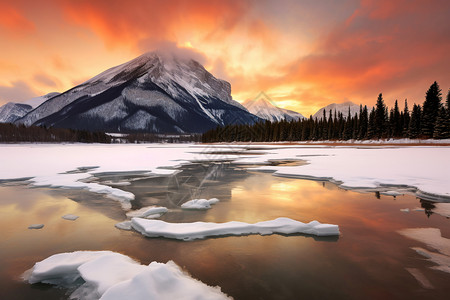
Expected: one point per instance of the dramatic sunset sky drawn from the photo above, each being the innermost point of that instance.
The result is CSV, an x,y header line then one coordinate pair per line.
x,y
303,54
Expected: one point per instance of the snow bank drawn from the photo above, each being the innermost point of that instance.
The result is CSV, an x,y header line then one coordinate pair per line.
x,y
109,276
200,230
149,212
199,204
432,238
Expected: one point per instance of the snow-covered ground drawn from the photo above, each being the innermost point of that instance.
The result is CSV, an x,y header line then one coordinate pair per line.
x,y
426,169
112,276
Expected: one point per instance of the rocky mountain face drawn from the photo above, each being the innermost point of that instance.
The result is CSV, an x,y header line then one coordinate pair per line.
x,y
155,92
11,111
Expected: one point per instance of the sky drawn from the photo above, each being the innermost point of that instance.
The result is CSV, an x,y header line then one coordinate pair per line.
x,y
303,54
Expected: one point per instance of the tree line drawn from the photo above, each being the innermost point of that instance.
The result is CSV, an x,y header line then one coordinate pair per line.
x,y
429,120
11,133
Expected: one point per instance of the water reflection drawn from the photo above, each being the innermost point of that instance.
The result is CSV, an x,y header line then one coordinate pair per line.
x,y
367,261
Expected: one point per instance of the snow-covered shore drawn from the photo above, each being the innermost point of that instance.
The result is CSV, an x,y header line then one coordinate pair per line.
x,y
426,169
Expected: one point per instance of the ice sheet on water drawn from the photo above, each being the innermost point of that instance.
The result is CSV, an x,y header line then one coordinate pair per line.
x,y
70,217
36,226
432,238
442,209
200,230
109,276
199,204
125,225
149,212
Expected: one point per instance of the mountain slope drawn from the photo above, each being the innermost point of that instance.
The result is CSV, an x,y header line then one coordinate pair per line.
x,y
152,93
11,111
36,101
264,108
340,107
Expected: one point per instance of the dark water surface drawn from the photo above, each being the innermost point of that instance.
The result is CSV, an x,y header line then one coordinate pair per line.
x,y
367,261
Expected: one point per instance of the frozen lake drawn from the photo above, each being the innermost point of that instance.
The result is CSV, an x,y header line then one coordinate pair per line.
x,y
370,259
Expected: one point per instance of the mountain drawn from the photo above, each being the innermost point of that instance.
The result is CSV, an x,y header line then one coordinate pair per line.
x,y
11,111
264,108
36,101
155,92
338,107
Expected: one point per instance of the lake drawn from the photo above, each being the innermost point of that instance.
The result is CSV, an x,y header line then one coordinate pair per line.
x,y
369,260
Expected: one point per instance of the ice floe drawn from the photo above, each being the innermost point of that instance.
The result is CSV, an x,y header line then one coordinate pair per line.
x,y
442,209
125,225
70,217
36,226
405,210
149,212
200,230
432,238
420,277
199,204
108,275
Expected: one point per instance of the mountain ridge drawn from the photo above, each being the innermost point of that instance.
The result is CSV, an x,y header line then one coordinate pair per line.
x,y
151,93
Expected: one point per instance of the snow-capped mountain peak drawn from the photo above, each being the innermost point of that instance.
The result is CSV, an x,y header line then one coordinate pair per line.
x,y
263,107
338,108
154,93
12,111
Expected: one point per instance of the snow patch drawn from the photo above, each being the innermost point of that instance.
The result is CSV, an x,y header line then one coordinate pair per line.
x,y
112,276
125,225
200,230
149,212
199,204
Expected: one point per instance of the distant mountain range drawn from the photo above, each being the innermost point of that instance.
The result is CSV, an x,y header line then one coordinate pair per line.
x,y
157,93
12,111
338,108
264,108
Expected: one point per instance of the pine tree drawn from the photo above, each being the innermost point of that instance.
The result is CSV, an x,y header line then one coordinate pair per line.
x,y
398,125
380,117
406,119
440,128
371,128
415,122
430,110
363,124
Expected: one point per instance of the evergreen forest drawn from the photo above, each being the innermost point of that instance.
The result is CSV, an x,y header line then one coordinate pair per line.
x,y
426,121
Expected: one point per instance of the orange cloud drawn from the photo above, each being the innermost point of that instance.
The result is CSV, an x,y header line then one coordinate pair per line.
x,y
13,20
156,20
304,54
